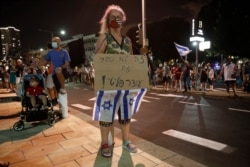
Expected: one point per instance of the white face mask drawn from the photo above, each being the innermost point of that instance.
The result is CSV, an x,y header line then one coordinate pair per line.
x,y
54,45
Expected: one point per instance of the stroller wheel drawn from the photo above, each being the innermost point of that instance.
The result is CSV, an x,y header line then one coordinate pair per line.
x,y
51,121
18,126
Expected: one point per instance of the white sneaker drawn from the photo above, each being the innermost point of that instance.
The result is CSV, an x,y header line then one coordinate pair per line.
x,y
44,107
62,91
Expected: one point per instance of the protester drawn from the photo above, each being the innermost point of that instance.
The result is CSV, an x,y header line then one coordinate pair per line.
x,y
177,74
92,76
19,70
6,79
167,77
228,71
49,81
12,72
203,78
245,76
210,76
59,59
186,75
111,41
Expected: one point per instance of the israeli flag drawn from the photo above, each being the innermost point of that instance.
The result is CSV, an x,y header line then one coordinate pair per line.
x,y
182,50
109,101
131,101
106,105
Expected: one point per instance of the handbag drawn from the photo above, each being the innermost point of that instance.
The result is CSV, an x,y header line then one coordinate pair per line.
x,y
233,75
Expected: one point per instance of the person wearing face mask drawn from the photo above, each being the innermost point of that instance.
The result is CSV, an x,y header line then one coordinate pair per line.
x,y
59,59
111,41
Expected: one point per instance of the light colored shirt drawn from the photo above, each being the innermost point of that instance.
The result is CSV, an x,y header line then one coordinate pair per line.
x,y
228,70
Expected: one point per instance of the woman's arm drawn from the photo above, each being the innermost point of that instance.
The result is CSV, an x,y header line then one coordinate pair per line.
x,y
101,44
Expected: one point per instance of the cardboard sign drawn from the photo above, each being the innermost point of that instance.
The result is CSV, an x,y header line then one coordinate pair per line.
x,y
120,72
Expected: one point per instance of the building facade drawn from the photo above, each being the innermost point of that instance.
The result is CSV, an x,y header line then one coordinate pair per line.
x,y
89,47
10,43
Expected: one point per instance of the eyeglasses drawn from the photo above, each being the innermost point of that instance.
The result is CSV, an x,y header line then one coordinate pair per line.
x,y
115,17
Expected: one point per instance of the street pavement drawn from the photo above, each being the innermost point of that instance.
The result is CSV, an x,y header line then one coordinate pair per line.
x,y
75,141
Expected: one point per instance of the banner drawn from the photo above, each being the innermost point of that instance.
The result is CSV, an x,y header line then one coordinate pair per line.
x,y
120,72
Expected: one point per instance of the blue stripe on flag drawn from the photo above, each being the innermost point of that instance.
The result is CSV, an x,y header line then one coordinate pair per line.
x,y
138,100
98,104
116,102
126,104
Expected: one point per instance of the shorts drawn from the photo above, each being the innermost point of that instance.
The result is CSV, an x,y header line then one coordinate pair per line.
x,y
49,81
166,79
230,82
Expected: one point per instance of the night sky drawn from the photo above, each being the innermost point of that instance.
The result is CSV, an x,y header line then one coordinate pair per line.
x,y
81,16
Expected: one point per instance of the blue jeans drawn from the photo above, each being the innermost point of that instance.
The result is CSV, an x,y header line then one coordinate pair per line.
x,y
186,82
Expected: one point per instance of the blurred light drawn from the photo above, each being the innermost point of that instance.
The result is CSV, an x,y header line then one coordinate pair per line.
x,y
195,43
197,39
204,45
63,32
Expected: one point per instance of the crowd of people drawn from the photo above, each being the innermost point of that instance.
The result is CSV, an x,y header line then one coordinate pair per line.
x,y
185,77
12,72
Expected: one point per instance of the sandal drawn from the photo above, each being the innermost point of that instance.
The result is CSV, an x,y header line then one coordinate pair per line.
x,y
129,146
4,163
105,151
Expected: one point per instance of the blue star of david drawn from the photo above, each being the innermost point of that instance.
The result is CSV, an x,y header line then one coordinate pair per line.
x,y
106,105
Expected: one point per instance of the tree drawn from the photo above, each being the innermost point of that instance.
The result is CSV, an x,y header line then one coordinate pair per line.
x,y
162,35
227,26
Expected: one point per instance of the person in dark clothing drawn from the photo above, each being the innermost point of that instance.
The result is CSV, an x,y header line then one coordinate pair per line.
x,y
186,76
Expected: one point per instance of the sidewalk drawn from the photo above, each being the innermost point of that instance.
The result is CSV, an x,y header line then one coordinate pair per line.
x,y
72,142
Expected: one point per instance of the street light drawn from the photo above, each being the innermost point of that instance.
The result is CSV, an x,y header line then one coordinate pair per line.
x,y
196,42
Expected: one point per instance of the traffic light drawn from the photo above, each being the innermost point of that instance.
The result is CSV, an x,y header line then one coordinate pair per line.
x,y
139,36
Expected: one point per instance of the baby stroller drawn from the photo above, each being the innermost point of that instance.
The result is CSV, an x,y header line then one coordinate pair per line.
x,y
40,114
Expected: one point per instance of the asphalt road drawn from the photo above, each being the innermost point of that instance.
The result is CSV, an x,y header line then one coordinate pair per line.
x,y
209,130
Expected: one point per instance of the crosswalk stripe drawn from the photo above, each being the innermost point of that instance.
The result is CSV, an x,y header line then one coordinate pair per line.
x,y
167,95
81,106
197,104
235,109
200,141
151,97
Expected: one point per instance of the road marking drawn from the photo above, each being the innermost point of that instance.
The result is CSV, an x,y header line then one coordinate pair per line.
x,y
197,104
155,98
200,141
236,109
81,106
92,99
168,95
223,89
171,95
